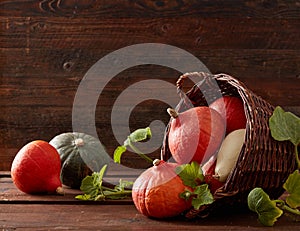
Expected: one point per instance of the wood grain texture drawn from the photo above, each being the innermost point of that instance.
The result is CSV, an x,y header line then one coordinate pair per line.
x,y
46,48
20,211
158,8
121,217
10,194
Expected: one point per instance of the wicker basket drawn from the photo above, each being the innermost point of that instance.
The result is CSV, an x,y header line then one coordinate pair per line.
x,y
263,162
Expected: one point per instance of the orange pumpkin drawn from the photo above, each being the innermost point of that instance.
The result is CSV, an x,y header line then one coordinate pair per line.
x,y
156,192
36,168
195,134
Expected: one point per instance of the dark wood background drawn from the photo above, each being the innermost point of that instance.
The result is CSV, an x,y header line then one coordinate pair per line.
x,y
47,47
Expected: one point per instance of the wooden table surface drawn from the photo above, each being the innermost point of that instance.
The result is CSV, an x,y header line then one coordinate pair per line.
x,y
47,48
19,211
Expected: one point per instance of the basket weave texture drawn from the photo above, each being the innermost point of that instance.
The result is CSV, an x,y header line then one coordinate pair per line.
x,y
263,162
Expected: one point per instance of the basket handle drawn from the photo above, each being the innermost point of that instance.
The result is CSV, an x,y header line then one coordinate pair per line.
x,y
179,82
184,99
196,77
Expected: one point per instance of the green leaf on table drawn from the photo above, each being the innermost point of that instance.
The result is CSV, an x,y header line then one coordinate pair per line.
x,y
91,185
88,186
83,197
203,196
260,202
292,186
98,177
191,174
93,189
285,126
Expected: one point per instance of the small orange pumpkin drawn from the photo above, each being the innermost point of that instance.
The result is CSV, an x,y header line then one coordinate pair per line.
x,y
195,134
156,192
36,168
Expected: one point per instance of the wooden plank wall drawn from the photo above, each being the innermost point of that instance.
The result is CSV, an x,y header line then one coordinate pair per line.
x,y
48,46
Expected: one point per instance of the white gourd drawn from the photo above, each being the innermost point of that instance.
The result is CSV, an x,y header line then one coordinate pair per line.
x,y
229,153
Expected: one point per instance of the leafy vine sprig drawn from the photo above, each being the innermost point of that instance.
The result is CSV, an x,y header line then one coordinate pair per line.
x,y
284,126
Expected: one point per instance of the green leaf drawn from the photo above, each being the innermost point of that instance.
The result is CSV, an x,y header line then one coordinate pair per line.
x,y
259,202
98,177
84,197
139,135
88,186
91,185
203,196
292,186
118,153
285,126
92,188
191,174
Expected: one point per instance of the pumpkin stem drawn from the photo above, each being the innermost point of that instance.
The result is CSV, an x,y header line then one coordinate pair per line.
x,y
156,162
79,142
172,113
60,191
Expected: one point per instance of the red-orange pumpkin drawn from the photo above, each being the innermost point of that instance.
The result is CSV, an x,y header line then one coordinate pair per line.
x,y
156,192
36,168
195,134
231,108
